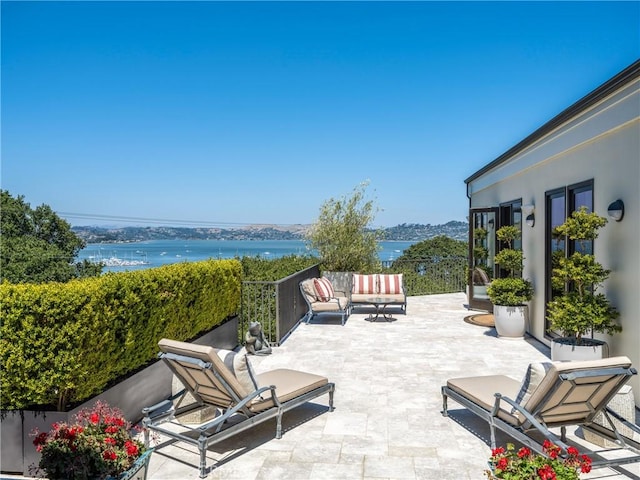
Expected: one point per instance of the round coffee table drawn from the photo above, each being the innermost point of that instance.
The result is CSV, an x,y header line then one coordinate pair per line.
x,y
380,303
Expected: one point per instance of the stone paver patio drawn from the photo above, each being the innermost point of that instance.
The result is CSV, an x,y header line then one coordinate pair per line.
x,y
387,423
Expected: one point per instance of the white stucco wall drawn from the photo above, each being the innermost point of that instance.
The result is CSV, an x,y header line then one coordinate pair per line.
x,y
602,144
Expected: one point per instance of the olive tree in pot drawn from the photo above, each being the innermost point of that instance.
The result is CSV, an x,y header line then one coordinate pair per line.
x,y
510,294
580,310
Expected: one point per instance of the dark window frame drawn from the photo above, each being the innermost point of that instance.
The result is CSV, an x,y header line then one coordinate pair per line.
x,y
569,193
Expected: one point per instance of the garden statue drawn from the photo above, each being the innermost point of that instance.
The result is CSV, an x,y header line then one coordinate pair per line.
x,y
255,341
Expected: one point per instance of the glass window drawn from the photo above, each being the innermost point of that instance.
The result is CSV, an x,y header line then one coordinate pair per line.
x,y
559,204
511,214
581,195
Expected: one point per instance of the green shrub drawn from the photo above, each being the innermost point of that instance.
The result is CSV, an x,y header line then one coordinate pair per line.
x,y
63,343
509,291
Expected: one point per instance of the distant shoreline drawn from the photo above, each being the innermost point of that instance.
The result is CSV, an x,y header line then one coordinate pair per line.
x,y
400,233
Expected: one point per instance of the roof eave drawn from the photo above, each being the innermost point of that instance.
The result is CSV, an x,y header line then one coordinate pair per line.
x,y
626,76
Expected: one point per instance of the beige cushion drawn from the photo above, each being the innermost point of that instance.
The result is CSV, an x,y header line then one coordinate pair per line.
x,y
289,384
482,389
366,298
532,378
309,290
334,305
240,365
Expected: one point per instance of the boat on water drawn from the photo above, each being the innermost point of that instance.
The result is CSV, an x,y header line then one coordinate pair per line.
x,y
121,262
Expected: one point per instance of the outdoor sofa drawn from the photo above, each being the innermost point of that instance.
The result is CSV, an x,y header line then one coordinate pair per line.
x,y
364,288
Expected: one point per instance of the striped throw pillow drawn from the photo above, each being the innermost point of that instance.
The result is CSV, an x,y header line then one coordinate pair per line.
x,y
364,284
390,284
324,289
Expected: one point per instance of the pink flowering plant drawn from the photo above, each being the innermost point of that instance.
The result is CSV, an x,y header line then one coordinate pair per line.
x,y
523,464
100,444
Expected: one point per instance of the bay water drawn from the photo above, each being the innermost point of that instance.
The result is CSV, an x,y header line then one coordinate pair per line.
x,y
119,257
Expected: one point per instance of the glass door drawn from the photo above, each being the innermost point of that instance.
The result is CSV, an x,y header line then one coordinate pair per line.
x,y
482,250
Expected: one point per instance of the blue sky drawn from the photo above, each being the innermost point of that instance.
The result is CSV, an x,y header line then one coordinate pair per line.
x,y
231,113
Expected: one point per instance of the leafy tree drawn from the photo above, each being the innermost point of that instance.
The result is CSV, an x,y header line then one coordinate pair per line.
x,y
37,245
440,246
342,236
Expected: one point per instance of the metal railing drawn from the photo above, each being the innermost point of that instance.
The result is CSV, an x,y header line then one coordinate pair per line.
x,y
279,306
431,275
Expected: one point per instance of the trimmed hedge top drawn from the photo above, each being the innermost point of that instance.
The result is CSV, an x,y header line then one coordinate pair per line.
x,y
62,343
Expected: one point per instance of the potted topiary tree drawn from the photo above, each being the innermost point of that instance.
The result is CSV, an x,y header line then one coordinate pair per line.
x,y
510,294
580,310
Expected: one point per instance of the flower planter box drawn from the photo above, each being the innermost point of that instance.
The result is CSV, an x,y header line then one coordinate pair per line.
x,y
139,469
147,387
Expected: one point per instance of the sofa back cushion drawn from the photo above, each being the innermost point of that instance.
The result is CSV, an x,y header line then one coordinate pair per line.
x,y
390,284
309,290
364,284
324,289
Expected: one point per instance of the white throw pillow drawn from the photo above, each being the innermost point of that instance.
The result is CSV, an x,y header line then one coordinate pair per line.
x,y
240,365
535,373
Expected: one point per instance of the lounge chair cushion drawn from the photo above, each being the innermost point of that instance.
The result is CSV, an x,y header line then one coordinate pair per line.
x,y
324,289
289,384
240,365
482,389
337,304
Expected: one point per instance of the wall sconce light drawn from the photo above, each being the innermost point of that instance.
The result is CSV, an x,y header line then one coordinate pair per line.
x,y
616,210
530,220
527,210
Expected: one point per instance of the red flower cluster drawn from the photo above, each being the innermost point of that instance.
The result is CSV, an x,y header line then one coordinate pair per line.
x,y
100,444
522,464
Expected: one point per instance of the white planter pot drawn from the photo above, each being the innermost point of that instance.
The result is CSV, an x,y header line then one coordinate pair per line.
x,y
564,350
511,322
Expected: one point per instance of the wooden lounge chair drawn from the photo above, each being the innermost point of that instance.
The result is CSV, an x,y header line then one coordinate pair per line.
x,y
225,380
551,395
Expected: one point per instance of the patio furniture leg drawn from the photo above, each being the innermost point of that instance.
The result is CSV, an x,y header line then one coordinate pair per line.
x,y
445,413
202,446
279,424
331,407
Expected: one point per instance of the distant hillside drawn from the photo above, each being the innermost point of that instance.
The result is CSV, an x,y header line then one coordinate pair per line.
x,y
404,232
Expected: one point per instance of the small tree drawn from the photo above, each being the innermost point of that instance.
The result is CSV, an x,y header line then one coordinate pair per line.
x,y
438,246
580,310
342,235
37,245
512,290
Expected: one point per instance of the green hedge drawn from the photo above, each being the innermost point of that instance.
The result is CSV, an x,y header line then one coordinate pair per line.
x,y
61,343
